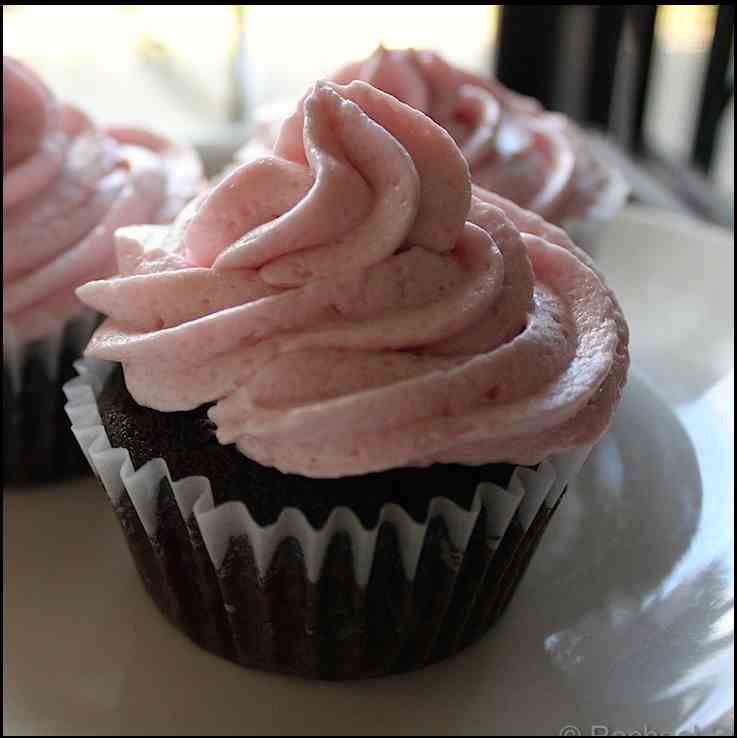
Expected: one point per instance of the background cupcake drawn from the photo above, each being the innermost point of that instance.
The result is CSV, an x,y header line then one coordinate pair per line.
x,y
335,405
67,186
538,159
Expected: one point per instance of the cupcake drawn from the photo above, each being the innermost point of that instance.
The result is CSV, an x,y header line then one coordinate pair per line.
x,y
67,186
335,405
539,160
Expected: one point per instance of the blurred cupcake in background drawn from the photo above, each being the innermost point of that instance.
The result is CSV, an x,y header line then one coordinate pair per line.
x,y
540,160
67,186
335,405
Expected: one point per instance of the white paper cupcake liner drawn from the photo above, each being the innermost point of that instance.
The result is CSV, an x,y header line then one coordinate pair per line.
x,y
210,567
71,335
36,446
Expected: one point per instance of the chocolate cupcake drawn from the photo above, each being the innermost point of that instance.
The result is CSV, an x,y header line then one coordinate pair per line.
x,y
67,186
335,405
538,159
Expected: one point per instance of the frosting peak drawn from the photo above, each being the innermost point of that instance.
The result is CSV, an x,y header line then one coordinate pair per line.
x,y
349,306
540,160
512,146
67,186
385,172
27,113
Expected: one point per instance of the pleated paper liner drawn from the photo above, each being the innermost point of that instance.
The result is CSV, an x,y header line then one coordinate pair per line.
x,y
340,602
37,446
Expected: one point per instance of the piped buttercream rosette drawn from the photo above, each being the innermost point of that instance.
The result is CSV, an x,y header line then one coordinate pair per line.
x,y
67,186
348,304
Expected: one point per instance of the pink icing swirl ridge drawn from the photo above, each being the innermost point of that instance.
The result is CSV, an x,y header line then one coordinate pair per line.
x,y
349,305
537,159
67,186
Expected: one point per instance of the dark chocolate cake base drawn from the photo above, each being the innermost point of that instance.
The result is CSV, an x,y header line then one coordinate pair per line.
x,y
37,445
282,621
187,442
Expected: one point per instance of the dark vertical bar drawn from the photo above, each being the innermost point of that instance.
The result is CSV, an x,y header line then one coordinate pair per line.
x,y
527,49
715,91
643,22
608,31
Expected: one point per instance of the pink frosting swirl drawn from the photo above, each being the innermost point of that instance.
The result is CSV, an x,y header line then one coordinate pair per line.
x,y
349,306
540,160
67,186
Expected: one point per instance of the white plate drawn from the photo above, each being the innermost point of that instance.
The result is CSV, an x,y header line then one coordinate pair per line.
x,y
624,621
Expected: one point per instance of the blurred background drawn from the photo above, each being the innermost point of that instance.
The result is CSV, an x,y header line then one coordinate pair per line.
x,y
658,80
